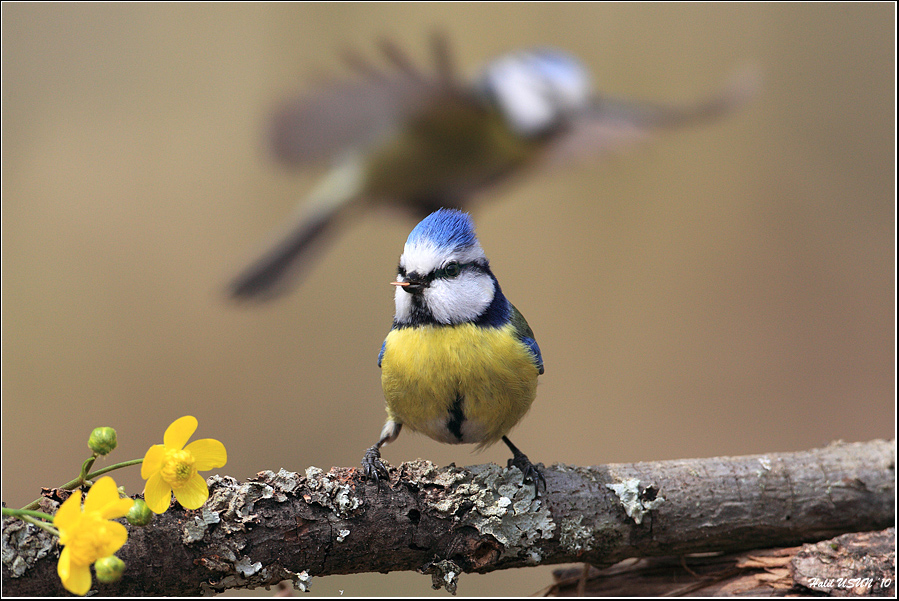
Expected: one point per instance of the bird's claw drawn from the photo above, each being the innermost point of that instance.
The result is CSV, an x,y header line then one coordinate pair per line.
x,y
373,468
530,471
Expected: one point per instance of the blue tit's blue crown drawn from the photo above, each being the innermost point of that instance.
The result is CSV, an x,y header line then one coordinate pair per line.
x,y
447,229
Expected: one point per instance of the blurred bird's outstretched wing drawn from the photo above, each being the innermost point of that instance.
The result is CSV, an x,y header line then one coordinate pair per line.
x,y
609,124
351,112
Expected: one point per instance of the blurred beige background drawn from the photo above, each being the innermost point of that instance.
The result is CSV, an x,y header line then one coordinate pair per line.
x,y
724,290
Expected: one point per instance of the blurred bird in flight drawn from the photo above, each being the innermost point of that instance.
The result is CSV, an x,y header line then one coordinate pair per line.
x,y
424,139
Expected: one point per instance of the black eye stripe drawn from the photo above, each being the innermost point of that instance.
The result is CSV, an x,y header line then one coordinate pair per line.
x,y
451,270
447,272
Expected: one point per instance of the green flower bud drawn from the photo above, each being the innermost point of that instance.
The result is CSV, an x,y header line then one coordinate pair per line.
x,y
140,514
109,569
102,441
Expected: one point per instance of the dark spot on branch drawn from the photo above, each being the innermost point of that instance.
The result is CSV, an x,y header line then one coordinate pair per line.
x,y
464,508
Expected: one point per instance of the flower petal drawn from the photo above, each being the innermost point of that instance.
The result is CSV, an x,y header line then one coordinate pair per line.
x,y
75,578
114,538
152,461
208,454
117,509
194,493
101,494
69,512
177,435
64,566
157,493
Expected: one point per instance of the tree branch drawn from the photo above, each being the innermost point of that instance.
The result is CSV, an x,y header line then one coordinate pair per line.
x,y
855,564
445,521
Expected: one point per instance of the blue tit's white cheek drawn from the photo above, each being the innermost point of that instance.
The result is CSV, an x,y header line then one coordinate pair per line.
x,y
403,301
460,299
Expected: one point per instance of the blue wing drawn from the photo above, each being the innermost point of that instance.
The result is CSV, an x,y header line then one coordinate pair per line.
x,y
384,344
526,335
535,350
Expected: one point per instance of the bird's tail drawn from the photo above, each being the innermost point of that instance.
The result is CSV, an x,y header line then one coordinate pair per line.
x,y
278,268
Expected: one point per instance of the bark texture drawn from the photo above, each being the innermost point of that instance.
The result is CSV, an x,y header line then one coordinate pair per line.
x,y
850,565
446,521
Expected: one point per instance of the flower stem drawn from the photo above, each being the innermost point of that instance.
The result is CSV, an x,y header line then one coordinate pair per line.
x,y
20,512
86,466
105,470
33,517
85,477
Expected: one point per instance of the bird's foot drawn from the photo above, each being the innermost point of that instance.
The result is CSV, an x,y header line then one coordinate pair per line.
x,y
373,468
530,471
521,461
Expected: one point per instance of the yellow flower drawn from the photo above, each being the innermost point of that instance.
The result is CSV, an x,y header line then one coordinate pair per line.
x,y
89,534
172,467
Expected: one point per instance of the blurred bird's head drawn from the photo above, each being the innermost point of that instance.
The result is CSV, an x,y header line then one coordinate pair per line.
x,y
443,276
536,90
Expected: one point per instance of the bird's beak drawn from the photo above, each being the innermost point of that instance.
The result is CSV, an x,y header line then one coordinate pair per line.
x,y
410,287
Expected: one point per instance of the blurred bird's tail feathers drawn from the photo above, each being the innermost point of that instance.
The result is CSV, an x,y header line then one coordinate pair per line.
x,y
279,267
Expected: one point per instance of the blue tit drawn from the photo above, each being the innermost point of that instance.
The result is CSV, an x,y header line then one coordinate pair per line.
x,y
424,140
460,363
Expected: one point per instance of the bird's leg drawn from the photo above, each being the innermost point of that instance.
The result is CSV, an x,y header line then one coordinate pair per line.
x,y
521,461
372,467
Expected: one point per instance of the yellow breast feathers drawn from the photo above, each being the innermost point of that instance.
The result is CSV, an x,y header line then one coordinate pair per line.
x,y
458,384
